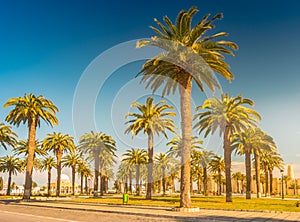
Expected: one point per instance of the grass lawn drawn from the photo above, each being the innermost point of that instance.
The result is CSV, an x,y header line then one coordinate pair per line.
x,y
239,203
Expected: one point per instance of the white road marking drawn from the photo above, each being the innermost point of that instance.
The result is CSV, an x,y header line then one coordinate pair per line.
x,y
37,216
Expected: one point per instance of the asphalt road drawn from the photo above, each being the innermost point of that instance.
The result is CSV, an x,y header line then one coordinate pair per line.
x,y
13,213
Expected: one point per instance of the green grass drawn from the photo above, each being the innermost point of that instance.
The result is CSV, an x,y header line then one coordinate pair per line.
x,y
212,202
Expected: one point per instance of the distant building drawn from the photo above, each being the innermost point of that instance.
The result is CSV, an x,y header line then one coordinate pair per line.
x,y
65,186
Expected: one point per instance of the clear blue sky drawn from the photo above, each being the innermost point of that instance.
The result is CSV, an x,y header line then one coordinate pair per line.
x,y
45,46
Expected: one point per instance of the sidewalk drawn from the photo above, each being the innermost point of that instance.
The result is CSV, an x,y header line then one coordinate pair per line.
x,y
165,212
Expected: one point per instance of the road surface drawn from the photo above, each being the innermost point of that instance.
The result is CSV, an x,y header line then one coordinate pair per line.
x,y
13,213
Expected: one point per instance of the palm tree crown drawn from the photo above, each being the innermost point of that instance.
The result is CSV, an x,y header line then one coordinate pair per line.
x,y
151,117
7,136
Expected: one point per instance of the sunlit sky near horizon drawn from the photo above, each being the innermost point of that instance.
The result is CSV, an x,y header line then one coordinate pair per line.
x,y
45,47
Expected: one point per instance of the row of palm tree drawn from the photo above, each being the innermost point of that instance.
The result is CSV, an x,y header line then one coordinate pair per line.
x,y
190,55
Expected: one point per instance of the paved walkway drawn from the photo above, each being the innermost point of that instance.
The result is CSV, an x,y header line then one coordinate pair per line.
x,y
165,212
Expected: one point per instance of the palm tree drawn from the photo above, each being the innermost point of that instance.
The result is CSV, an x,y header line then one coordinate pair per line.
x,y
47,164
263,143
230,116
267,158
136,158
12,165
176,146
242,178
29,110
82,166
217,164
123,174
202,159
87,173
238,177
97,146
188,56
275,161
7,136
163,161
58,143
242,143
151,119
72,160
107,161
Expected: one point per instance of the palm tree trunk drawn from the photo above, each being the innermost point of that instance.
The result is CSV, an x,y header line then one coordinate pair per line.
x,y
96,179
126,185
237,186
271,181
73,180
164,181
59,156
191,184
257,174
150,165
185,87
220,182
130,182
248,172
242,191
227,159
205,181
30,158
102,184
137,179
86,184
198,184
173,184
8,184
49,181
267,190
81,183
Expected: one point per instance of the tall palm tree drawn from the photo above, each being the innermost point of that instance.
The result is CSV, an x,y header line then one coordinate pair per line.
x,y
163,161
136,158
229,115
97,145
217,164
188,56
47,164
30,110
12,165
202,159
7,136
151,119
58,143
72,160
